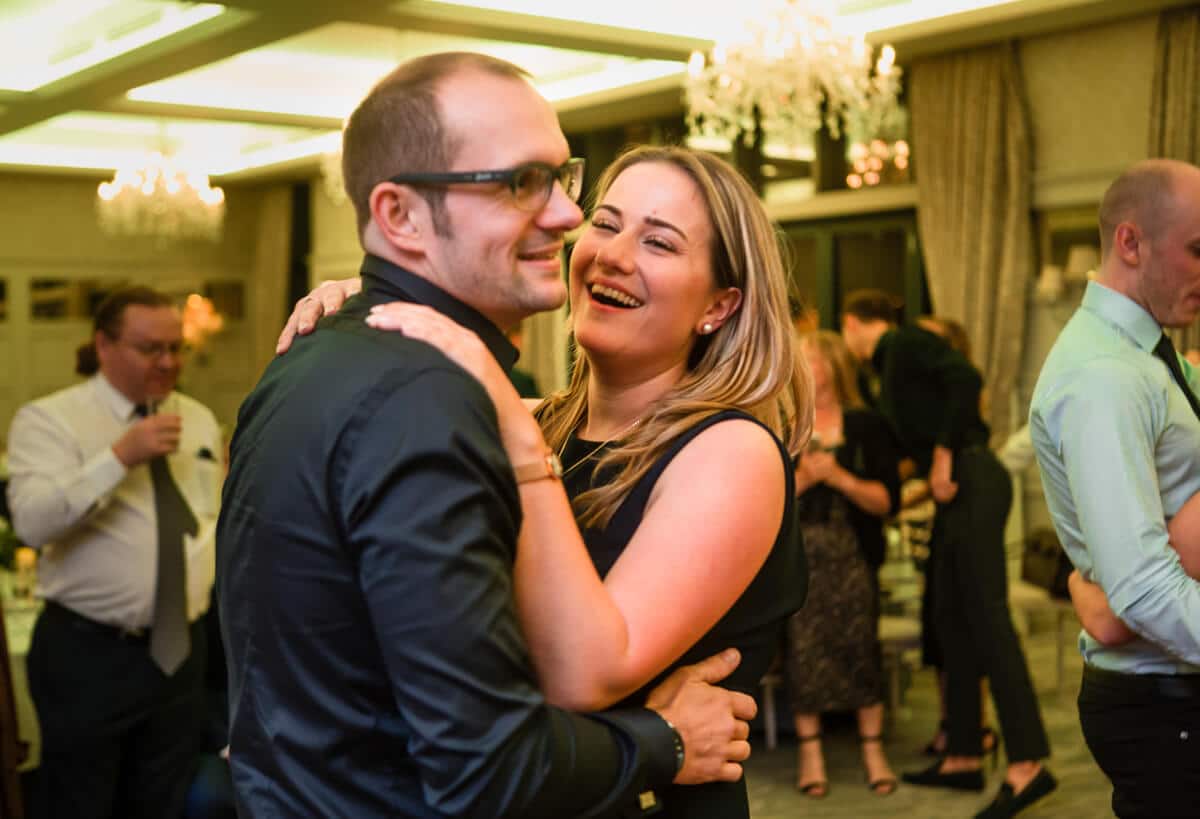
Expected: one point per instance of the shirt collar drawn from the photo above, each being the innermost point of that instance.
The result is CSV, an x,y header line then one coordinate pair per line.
x,y
384,282
1123,313
117,402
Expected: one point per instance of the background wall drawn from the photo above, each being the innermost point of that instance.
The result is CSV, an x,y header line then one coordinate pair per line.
x,y
49,231
1088,92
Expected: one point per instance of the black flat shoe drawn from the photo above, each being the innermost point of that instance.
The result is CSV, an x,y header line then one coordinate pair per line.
x,y
1008,803
934,778
937,745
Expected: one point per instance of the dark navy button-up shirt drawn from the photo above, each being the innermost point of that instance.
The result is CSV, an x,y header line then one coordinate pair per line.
x,y
365,552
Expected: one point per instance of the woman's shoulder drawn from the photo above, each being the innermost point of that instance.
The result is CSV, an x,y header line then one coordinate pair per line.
x,y
734,427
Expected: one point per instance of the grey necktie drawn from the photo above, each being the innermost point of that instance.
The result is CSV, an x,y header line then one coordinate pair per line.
x,y
169,639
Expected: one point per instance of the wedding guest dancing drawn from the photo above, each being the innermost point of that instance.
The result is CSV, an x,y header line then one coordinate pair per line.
x,y
686,365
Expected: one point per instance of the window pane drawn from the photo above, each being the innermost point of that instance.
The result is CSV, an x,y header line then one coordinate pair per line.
x,y
869,259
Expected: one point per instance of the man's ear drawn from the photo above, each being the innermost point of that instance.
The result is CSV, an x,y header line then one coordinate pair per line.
x,y
401,216
1127,239
104,345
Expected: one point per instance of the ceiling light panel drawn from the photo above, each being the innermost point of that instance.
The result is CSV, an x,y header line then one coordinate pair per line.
x,y
109,141
42,42
327,71
716,21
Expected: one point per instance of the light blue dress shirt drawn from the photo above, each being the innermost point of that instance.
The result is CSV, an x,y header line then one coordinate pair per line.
x,y
1119,450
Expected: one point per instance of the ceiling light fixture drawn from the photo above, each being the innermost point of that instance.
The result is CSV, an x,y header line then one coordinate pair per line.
x,y
790,72
161,199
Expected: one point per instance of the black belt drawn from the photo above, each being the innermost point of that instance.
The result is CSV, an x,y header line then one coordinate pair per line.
x,y
75,620
1162,686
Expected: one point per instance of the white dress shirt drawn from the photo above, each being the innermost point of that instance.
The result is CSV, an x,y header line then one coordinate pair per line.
x,y
92,519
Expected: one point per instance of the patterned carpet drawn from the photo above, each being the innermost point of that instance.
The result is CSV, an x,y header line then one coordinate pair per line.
x,y
1083,791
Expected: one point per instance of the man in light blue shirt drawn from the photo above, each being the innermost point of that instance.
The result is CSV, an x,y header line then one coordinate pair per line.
x,y
1118,442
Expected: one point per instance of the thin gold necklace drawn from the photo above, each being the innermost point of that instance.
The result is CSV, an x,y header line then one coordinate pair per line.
x,y
621,433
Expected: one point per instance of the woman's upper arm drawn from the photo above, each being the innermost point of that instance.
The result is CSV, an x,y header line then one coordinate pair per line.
x,y
708,528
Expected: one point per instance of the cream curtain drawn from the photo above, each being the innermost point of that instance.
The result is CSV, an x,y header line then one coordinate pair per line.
x,y
1174,103
971,140
545,349
269,272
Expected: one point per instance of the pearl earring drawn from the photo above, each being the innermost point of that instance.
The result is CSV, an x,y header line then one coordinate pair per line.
x,y
706,328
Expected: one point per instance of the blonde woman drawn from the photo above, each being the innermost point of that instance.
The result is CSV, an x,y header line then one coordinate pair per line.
x,y
671,437
847,482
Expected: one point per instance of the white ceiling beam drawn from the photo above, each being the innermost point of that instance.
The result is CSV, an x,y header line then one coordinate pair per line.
x,y
166,110
231,33
488,24
991,24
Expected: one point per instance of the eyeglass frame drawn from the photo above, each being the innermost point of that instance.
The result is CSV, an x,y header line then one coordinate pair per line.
x,y
154,350
505,175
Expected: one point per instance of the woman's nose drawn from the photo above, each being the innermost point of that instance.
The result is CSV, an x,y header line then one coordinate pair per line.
x,y
617,253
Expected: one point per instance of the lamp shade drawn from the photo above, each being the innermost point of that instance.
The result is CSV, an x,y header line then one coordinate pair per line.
x,y
1080,260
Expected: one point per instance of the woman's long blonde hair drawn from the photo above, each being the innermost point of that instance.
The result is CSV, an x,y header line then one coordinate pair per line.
x,y
843,372
751,362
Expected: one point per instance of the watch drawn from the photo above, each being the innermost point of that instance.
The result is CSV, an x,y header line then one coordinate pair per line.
x,y
548,467
677,740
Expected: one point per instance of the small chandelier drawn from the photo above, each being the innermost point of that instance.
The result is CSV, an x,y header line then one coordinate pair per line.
x,y
163,200
789,73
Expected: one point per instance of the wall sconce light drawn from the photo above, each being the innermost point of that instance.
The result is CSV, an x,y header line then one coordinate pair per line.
x,y
1082,261
1050,284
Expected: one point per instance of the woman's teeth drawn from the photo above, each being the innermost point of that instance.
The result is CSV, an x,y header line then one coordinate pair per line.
x,y
608,294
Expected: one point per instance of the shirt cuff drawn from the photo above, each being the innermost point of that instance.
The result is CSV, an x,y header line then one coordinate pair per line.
x,y
102,472
655,740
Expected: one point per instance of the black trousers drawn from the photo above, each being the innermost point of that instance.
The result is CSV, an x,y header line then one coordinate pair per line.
x,y
972,614
1144,731
119,738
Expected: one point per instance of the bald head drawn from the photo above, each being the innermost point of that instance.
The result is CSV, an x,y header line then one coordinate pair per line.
x,y
1144,195
1150,239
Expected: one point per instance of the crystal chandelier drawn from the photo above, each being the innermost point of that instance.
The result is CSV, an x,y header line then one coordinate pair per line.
x,y
787,74
163,200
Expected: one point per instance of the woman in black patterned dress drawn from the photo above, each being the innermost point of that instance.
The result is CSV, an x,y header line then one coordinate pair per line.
x,y
847,483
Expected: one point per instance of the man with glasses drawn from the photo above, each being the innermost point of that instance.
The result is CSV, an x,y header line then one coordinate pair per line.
x,y
370,522
116,481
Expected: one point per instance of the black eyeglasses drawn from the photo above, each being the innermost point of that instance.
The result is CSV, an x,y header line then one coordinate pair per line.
x,y
530,183
157,349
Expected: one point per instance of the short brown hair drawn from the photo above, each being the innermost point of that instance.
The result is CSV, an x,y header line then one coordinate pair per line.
x,y
1142,195
398,127
873,305
110,316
